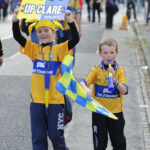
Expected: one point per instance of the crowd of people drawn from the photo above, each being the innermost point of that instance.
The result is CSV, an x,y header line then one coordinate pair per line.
x,y
4,8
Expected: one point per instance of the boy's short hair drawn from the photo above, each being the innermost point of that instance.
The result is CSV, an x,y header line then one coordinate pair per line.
x,y
109,42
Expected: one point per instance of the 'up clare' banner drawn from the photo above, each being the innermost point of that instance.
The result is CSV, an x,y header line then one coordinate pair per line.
x,y
43,9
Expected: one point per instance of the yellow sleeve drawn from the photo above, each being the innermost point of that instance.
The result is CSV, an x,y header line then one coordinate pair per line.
x,y
29,49
91,78
62,50
122,76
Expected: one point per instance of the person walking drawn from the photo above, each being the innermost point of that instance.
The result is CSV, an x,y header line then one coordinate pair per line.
x,y
46,121
111,9
131,5
4,7
103,126
88,9
96,7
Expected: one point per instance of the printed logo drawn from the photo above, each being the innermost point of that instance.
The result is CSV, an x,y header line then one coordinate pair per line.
x,y
102,91
40,65
60,124
105,90
95,128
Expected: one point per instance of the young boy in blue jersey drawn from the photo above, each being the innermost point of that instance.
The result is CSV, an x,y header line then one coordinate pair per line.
x,y
111,100
1,53
47,59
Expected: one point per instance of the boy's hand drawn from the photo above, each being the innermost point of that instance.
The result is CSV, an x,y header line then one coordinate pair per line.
x,y
88,91
111,69
68,16
14,19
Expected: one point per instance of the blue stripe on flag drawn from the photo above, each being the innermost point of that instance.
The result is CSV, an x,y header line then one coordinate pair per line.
x,y
59,86
89,99
72,86
81,101
65,68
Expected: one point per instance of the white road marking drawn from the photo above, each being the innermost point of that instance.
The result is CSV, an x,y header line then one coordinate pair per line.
x,y
144,106
14,55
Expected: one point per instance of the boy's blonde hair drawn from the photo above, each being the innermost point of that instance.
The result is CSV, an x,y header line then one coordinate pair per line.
x,y
109,42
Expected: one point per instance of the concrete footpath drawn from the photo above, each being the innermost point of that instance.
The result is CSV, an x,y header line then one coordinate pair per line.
x,y
137,40
143,37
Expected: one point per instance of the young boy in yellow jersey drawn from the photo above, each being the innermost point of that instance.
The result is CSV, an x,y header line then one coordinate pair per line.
x,y
47,59
1,53
111,100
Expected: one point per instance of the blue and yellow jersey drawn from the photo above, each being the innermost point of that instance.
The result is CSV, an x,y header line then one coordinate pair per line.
x,y
98,76
74,7
53,56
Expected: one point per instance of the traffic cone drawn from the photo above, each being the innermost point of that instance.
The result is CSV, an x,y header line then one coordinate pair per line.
x,y
124,24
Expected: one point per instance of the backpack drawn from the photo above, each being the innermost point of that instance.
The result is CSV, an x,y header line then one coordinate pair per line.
x,y
113,6
110,3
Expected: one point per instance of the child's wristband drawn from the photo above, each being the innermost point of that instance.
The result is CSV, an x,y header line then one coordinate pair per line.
x,y
116,83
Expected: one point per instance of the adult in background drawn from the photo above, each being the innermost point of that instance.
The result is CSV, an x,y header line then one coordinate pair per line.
x,y
13,4
88,9
4,7
111,9
131,5
96,7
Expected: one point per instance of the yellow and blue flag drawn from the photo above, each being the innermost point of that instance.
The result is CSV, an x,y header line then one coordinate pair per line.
x,y
69,86
43,9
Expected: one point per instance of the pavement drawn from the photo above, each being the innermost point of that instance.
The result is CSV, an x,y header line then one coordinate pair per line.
x,y
134,54
142,31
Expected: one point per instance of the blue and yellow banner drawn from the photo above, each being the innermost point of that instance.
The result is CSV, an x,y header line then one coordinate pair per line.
x,y
69,86
43,9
